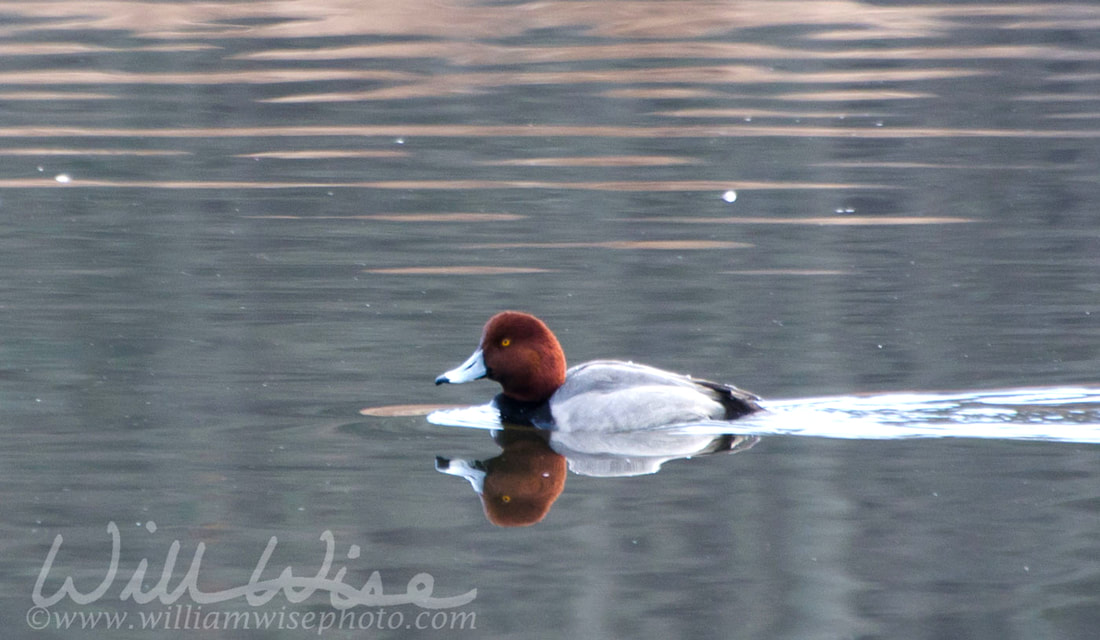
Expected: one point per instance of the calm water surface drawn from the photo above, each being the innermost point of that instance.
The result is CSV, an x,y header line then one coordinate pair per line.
x,y
226,228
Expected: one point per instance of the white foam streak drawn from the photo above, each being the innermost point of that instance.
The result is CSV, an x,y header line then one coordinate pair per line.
x,y
1060,414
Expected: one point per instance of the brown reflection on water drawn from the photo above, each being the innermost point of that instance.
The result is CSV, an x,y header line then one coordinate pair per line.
x,y
757,113
662,93
251,76
739,130
405,410
453,19
833,221
91,152
786,272
1057,97
468,36
854,95
739,74
408,217
54,95
596,161
76,181
936,165
476,53
640,185
79,48
457,270
665,245
1074,77
319,154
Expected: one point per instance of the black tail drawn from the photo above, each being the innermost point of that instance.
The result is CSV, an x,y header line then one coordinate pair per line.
x,y
738,402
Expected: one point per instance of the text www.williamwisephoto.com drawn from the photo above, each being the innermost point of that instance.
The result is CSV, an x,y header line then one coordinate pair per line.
x,y
59,604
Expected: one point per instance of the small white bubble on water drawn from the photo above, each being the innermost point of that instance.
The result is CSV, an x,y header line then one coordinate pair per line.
x,y
399,141
730,196
40,168
63,178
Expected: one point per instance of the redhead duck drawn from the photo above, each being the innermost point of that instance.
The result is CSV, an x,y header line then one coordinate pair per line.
x,y
521,353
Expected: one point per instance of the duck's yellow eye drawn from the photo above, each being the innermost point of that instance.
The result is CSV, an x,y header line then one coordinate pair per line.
x,y
506,498
505,342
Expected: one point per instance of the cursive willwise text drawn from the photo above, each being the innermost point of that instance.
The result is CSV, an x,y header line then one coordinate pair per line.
x,y
256,592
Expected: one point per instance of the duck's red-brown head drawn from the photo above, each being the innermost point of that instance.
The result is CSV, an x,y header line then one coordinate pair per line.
x,y
520,352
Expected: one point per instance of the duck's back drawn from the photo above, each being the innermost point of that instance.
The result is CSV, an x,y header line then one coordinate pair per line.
x,y
615,396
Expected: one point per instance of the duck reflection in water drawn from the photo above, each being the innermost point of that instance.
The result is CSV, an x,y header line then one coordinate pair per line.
x,y
518,486
601,418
